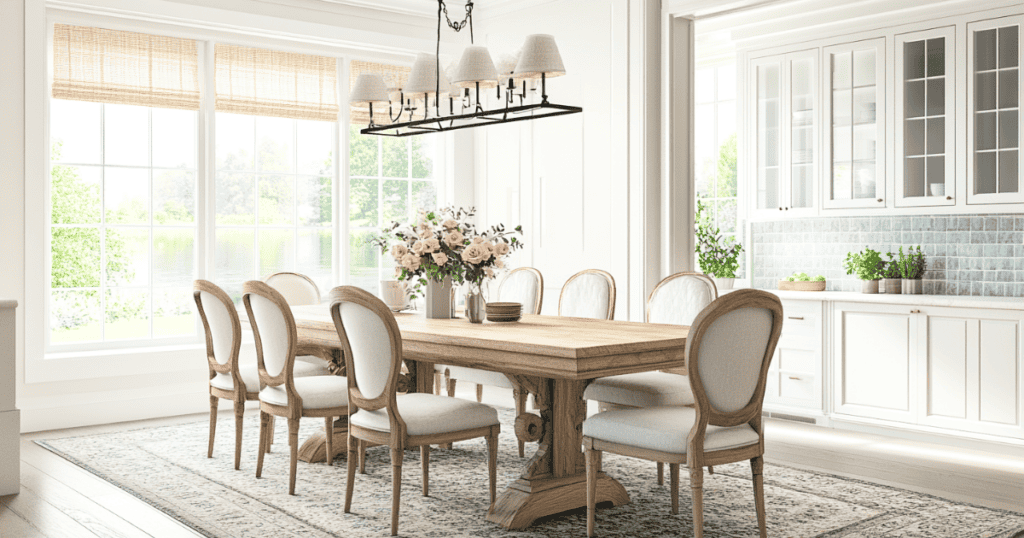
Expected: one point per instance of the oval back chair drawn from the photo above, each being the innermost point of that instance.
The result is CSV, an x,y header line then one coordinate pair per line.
x,y
588,294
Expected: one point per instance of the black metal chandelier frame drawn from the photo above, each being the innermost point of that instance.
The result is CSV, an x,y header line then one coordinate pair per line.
x,y
480,117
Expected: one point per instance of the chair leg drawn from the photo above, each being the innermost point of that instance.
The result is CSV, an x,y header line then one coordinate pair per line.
x,y
270,434
437,384
264,436
757,467
450,384
673,478
362,457
492,464
697,490
661,473
213,423
520,398
329,429
293,444
350,480
239,415
593,458
425,460
479,393
396,487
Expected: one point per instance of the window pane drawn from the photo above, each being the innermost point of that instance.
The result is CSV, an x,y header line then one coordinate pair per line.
x,y
173,312
704,86
423,149
126,195
127,315
174,197
362,199
315,256
277,199
396,201
726,82
315,143
127,256
75,316
277,251
74,257
174,138
315,201
363,270
236,199
173,256
234,259
236,140
396,157
424,195
126,135
75,131
74,194
362,155
274,150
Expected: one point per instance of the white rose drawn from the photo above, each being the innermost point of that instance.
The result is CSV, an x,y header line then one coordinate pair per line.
x,y
489,272
499,264
440,258
501,248
419,247
411,262
454,238
478,239
450,224
426,233
398,251
475,253
433,245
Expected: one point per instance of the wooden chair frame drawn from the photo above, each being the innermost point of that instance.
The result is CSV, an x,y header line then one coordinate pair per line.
x,y
695,457
241,393
397,438
293,411
611,289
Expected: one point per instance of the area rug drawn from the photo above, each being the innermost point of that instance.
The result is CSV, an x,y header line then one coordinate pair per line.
x,y
167,467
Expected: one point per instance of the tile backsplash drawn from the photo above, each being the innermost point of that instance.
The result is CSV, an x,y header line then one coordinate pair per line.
x,y
965,254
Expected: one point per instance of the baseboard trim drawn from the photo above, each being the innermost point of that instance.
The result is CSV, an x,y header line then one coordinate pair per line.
x,y
112,411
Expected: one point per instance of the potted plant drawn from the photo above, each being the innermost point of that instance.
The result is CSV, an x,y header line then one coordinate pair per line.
x,y
717,256
891,280
911,266
868,266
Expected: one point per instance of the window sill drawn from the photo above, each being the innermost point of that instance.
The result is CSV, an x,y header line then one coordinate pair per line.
x,y
117,362
115,352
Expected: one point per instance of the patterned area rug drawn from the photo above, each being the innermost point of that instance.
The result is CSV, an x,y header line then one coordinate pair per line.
x,y
167,467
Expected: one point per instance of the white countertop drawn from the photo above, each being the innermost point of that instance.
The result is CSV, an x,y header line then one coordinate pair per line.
x,y
959,301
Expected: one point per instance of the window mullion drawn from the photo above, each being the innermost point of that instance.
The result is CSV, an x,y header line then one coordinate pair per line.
x,y
103,223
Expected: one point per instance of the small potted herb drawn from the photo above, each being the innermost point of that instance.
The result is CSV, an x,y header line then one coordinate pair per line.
x,y
892,279
868,266
717,257
911,266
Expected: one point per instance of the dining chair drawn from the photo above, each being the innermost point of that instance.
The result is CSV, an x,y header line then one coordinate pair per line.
x,y
588,294
372,346
283,394
728,352
675,300
230,379
524,285
296,288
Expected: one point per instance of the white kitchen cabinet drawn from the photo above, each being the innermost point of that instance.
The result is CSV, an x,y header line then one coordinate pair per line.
x,y
854,119
795,376
925,118
786,133
994,126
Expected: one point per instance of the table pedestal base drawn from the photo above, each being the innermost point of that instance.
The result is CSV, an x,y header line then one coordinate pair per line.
x,y
314,450
526,501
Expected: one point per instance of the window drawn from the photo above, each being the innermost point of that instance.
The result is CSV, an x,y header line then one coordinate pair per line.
x,y
715,148
123,222
390,179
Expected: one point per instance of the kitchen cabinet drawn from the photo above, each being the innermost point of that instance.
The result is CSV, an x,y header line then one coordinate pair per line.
x,y
854,115
925,118
994,126
786,133
795,375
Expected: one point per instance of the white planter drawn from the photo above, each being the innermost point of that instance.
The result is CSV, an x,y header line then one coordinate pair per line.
x,y
723,283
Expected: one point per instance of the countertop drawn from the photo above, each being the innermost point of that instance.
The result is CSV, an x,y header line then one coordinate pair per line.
x,y
958,301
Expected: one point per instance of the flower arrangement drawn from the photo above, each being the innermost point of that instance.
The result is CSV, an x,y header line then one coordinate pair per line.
x,y
715,256
866,264
445,244
910,265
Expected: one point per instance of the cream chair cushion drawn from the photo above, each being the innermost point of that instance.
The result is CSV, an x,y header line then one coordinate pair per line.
x,y
480,377
585,296
273,330
729,365
664,429
427,414
645,389
221,326
317,392
251,377
371,348
296,289
520,287
678,301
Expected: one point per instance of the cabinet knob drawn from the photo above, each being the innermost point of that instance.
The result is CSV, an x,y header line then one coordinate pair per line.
x,y
780,209
915,311
787,209
949,197
879,200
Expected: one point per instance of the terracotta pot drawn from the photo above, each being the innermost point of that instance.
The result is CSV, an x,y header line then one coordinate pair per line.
x,y
893,285
869,286
912,286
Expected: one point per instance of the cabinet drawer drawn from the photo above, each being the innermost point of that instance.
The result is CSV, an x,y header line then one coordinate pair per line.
x,y
798,360
797,386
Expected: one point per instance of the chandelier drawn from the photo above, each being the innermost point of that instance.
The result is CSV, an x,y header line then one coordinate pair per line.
x,y
428,102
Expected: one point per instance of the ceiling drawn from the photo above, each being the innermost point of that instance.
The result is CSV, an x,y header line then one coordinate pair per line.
x,y
428,8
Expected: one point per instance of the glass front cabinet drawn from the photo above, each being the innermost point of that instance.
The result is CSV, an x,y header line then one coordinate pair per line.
x,y
925,118
854,115
994,127
786,133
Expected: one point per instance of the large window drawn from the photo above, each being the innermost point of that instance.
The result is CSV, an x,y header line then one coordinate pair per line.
x,y
123,222
390,179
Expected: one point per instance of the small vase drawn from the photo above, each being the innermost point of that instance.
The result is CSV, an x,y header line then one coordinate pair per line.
x,y
476,304
723,283
869,286
893,286
912,286
439,299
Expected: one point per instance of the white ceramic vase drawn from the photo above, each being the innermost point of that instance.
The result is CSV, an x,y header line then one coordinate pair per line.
x,y
439,299
723,283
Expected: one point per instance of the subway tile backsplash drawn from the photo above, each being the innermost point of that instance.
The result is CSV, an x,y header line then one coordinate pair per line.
x,y
965,254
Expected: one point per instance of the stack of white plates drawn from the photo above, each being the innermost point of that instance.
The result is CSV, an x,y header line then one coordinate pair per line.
x,y
504,311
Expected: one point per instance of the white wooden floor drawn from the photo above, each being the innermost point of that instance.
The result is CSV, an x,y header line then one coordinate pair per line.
x,y
60,500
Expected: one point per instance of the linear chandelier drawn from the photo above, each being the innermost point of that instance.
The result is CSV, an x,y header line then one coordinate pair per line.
x,y
429,103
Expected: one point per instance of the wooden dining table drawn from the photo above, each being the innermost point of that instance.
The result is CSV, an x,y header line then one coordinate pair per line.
x,y
554,359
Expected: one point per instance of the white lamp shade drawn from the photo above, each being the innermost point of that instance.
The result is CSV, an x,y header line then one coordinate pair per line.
x,y
369,88
423,79
540,55
475,67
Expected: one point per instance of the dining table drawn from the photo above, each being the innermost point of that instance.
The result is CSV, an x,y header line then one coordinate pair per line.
x,y
551,357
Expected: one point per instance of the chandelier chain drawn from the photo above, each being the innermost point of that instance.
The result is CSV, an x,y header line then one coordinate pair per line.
x,y
458,26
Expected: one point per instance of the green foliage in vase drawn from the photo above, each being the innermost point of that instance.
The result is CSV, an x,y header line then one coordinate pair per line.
x,y
717,256
910,265
866,264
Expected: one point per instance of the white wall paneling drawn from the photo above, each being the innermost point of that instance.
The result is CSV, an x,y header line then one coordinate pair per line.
x,y
677,196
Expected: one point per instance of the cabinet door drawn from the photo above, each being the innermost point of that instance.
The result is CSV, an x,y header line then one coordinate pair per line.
x,y
875,361
795,380
994,126
925,118
854,125
801,174
767,73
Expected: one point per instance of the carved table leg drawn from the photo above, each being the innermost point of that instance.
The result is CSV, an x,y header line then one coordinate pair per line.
x,y
554,480
314,449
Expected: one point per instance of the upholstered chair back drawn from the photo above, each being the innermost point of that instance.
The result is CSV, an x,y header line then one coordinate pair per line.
x,y
679,298
297,289
273,328
372,345
524,285
588,294
728,351
220,321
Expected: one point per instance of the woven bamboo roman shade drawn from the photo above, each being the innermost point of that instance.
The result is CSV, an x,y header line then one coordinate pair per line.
x,y
113,66
264,82
395,76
